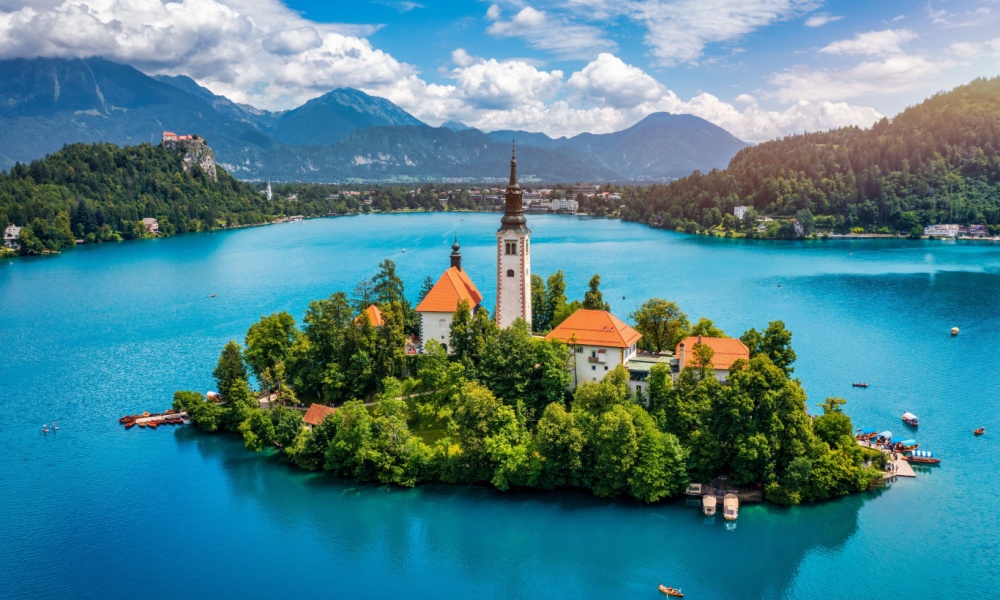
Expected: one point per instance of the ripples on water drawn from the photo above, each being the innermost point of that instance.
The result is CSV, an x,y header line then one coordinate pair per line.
x,y
98,511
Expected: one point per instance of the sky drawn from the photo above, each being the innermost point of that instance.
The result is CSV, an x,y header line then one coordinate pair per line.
x,y
759,68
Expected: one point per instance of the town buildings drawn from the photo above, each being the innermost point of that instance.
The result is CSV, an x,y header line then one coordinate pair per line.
x,y
12,237
151,225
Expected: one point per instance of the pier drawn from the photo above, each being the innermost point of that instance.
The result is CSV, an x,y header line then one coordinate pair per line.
x,y
158,418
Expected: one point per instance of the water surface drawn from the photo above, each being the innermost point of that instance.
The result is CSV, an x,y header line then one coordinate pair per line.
x,y
98,511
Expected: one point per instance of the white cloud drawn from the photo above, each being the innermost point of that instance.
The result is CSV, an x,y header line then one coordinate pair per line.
x,y
870,78
989,49
872,43
550,33
821,19
609,80
679,30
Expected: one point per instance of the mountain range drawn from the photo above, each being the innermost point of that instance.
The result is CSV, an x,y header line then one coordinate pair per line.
x,y
344,135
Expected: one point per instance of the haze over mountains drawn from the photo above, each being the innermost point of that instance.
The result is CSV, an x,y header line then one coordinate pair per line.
x,y
342,135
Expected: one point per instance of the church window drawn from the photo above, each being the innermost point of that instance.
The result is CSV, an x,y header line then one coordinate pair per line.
x,y
442,323
510,247
510,272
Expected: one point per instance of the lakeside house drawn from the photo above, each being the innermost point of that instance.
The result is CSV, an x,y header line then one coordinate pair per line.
x,y
740,211
441,303
315,415
942,230
12,237
151,225
726,351
600,342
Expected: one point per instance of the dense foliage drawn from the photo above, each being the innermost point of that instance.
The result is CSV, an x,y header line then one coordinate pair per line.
x,y
497,410
937,162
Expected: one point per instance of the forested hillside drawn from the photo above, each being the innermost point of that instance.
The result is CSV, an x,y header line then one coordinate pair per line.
x,y
100,192
937,162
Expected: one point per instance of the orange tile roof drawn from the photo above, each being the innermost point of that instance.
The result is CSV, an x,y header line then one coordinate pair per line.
x,y
374,316
453,287
595,328
316,414
727,351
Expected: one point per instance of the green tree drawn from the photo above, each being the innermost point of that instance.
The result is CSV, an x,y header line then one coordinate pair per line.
x,y
777,344
592,298
555,299
230,368
705,327
268,342
539,307
659,468
560,442
662,324
615,447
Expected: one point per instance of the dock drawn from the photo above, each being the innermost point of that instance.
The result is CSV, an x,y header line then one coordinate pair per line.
x,y
903,469
158,418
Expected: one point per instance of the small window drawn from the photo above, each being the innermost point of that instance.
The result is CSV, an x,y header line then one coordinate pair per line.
x,y
593,353
579,349
442,323
593,367
510,272
510,247
605,367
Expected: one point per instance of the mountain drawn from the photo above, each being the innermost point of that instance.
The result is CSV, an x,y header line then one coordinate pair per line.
x,y
661,145
344,134
327,119
455,125
936,162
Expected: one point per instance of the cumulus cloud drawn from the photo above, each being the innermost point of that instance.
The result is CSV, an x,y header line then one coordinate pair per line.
x,y
609,80
897,73
872,43
989,49
547,32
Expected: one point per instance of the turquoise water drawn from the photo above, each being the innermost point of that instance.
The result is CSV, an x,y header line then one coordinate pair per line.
x,y
96,511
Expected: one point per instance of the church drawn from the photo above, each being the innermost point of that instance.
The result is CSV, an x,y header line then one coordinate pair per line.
x,y
513,275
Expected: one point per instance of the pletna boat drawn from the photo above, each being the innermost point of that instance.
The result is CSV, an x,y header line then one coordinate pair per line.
x,y
862,384
980,431
693,489
730,507
675,592
130,423
922,457
910,419
153,424
905,445
954,331
142,423
708,504
866,434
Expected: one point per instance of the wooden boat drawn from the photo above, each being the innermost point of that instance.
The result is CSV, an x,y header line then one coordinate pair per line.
x,y
708,504
675,592
905,445
153,424
129,424
125,418
866,434
45,429
145,414
954,331
693,489
142,423
730,507
212,296
861,385
910,419
980,431
922,457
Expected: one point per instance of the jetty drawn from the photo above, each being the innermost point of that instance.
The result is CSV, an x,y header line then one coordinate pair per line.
x,y
902,469
161,417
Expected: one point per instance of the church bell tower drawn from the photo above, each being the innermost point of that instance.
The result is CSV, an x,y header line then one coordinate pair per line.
x,y
513,257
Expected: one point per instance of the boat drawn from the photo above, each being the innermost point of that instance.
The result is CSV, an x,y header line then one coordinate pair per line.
x,y
866,434
910,419
922,457
153,424
980,431
693,489
676,592
954,331
708,504
125,418
54,426
730,507
129,424
142,423
905,445
211,296
404,250
145,413
862,384
44,428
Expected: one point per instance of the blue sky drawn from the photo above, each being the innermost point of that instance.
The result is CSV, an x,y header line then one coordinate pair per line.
x,y
759,68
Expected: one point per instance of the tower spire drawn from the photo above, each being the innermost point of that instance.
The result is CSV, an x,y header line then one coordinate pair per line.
x,y
513,210
513,166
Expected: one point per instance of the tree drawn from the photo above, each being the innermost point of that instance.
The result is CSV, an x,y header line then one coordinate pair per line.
x,y
539,307
704,327
615,446
592,298
268,342
832,405
425,288
560,442
661,323
387,287
363,296
230,368
777,344
555,299
702,357
658,471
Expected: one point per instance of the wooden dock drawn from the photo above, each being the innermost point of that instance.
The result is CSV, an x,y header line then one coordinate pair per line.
x,y
159,418
903,468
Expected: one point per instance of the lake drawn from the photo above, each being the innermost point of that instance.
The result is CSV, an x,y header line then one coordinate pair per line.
x,y
97,511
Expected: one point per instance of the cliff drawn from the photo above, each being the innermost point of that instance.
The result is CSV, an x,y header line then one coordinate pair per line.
x,y
196,152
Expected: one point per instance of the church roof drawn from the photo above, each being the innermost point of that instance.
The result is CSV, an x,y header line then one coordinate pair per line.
x,y
594,328
453,287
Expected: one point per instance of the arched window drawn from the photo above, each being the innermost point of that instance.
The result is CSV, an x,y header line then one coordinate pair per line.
x,y
510,272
